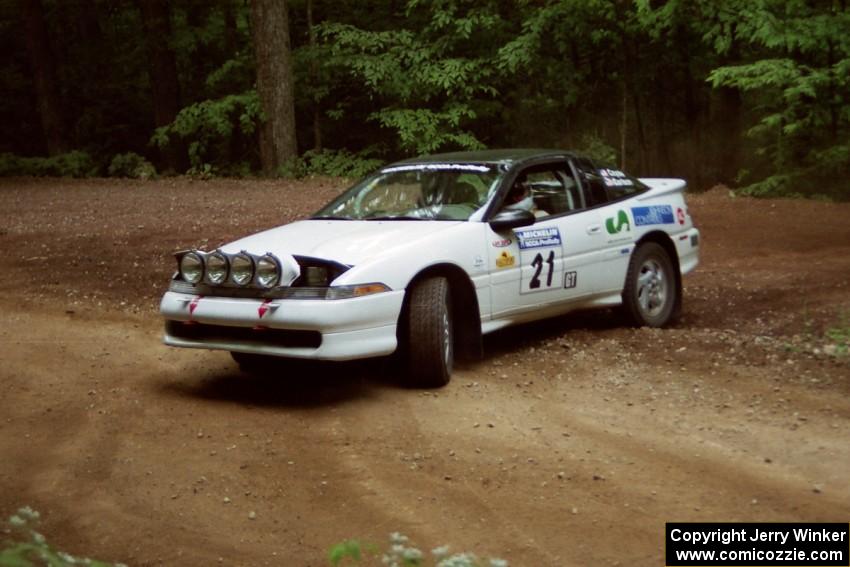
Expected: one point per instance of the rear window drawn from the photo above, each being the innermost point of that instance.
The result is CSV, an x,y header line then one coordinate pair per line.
x,y
619,184
606,184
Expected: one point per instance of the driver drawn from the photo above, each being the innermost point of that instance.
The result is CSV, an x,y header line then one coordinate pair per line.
x,y
520,198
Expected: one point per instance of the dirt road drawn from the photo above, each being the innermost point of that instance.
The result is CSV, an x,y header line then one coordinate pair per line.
x,y
570,444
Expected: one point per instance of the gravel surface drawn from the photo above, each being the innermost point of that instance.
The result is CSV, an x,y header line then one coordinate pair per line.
x,y
571,443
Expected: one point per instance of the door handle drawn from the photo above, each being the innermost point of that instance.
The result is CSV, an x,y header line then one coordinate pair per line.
x,y
594,229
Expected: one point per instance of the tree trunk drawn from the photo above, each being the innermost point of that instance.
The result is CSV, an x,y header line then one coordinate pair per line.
x,y
727,121
729,118
694,154
632,62
236,144
314,78
165,86
623,127
270,31
44,79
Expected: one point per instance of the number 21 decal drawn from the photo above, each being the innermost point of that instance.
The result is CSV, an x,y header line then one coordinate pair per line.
x,y
538,267
541,270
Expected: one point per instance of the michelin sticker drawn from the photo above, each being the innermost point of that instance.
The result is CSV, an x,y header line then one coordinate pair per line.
x,y
656,214
539,237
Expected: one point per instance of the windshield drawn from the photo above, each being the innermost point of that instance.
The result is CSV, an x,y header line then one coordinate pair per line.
x,y
432,191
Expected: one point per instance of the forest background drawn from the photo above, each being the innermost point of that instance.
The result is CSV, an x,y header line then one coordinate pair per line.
x,y
751,93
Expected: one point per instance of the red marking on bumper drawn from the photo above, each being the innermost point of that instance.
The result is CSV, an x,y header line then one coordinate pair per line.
x,y
194,304
264,308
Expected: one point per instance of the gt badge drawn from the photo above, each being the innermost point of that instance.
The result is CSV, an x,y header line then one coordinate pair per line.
x,y
502,243
505,260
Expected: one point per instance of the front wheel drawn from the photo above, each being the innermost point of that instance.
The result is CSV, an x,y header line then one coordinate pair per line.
x,y
430,334
650,294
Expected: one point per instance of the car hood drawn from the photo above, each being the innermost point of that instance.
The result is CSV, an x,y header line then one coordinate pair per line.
x,y
347,242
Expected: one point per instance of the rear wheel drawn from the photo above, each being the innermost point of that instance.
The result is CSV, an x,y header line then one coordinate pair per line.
x,y
650,294
430,336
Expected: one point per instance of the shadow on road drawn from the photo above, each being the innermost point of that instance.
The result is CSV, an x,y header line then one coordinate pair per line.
x,y
517,337
284,383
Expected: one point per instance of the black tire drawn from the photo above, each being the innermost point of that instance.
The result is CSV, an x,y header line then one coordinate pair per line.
x,y
430,334
650,296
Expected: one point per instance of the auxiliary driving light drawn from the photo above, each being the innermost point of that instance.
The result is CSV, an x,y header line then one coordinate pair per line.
x,y
192,267
216,268
268,271
241,269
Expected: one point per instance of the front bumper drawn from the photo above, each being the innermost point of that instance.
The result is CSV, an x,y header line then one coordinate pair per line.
x,y
341,329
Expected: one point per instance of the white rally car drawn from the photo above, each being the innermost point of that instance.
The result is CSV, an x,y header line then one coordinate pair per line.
x,y
426,255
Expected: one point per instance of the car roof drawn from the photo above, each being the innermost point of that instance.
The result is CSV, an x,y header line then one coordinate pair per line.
x,y
507,157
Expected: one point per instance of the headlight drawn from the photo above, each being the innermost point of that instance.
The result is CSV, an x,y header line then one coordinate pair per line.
x,y
216,268
241,269
192,267
268,271
360,290
316,276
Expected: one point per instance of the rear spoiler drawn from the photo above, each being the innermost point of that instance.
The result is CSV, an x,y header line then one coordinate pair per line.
x,y
660,186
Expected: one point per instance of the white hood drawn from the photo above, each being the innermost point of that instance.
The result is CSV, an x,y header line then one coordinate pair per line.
x,y
347,242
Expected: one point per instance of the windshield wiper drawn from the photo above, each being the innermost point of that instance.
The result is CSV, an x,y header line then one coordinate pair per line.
x,y
396,217
329,217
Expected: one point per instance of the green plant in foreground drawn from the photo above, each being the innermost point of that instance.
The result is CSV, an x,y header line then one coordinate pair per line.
x,y
839,336
72,164
131,165
28,548
333,163
401,553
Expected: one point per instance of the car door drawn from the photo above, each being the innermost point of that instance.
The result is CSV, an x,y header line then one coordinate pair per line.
x,y
611,191
556,260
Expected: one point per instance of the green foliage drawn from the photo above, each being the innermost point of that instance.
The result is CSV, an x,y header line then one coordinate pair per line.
x,y
424,131
202,171
71,164
333,163
426,80
799,86
29,548
209,126
781,185
401,553
131,165
596,149
839,336
348,549
420,77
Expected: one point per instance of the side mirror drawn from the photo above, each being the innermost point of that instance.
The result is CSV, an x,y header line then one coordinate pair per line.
x,y
507,219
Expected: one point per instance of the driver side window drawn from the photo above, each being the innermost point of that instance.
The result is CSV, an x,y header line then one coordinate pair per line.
x,y
552,189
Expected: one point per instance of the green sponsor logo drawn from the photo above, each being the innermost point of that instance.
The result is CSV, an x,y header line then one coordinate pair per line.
x,y
614,225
